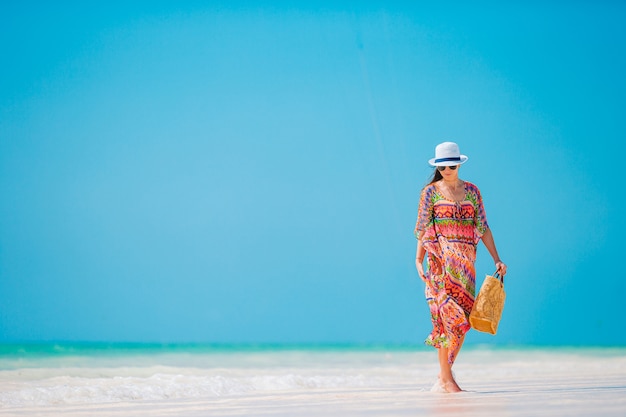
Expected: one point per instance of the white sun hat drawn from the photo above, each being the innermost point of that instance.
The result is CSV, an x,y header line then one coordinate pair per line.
x,y
447,154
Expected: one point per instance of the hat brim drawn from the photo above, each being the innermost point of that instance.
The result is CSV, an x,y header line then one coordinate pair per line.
x,y
448,163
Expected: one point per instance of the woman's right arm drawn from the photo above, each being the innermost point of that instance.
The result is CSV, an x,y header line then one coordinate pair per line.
x,y
419,256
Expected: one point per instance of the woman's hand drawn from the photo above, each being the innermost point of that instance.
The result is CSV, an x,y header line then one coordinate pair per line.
x,y
501,268
435,267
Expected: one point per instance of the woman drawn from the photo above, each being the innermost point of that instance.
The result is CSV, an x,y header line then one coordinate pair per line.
x,y
451,221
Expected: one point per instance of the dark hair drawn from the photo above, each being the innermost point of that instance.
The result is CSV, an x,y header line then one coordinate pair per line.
x,y
436,176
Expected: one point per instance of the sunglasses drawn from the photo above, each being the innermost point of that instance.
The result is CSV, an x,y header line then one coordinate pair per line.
x,y
453,167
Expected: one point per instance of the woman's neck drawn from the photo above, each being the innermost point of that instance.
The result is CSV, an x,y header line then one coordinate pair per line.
x,y
452,183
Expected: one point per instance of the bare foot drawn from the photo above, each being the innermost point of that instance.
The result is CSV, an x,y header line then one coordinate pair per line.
x,y
450,386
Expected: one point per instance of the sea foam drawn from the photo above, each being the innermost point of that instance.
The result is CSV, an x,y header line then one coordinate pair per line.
x,y
47,380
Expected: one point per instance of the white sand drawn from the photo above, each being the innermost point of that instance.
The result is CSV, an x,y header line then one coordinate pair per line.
x,y
498,383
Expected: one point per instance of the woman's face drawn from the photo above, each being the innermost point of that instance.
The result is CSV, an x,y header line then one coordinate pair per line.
x,y
448,173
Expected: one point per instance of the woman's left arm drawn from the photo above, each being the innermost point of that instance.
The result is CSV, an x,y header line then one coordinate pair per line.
x,y
491,247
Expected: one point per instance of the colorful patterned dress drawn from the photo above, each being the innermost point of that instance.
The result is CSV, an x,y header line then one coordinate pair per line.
x,y
452,231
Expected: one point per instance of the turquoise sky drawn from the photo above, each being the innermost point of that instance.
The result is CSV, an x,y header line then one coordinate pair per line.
x,y
249,172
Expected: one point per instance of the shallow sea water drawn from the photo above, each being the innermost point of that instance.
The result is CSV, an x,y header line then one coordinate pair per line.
x,y
344,381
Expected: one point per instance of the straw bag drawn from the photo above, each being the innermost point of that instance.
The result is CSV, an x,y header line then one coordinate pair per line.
x,y
489,303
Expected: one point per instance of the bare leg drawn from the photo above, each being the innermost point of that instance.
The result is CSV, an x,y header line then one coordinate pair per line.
x,y
447,379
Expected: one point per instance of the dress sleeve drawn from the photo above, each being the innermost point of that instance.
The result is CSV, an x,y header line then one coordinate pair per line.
x,y
424,211
426,223
480,216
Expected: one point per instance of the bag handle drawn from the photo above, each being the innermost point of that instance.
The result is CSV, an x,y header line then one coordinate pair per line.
x,y
497,275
